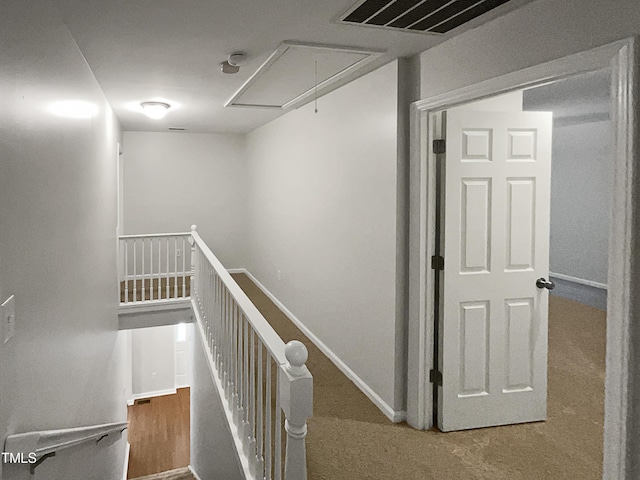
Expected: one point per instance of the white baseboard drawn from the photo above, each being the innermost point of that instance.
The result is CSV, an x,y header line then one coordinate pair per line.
x,y
393,415
126,461
157,393
581,281
193,472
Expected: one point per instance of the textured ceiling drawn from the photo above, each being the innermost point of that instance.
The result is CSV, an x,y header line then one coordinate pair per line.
x,y
169,50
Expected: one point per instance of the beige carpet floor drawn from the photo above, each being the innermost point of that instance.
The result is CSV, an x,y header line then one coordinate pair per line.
x,y
350,439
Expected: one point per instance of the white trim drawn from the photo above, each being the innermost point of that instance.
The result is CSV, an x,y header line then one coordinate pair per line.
x,y
126,461
393,415
232,271
623,277
157,393
193,472
154,305
228,411
155,235
581,281
160,275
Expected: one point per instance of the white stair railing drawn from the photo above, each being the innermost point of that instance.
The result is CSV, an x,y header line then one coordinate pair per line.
x,y
154,267
261,376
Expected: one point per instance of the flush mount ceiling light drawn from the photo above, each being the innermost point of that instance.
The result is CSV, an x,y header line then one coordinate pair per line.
x,y
155,110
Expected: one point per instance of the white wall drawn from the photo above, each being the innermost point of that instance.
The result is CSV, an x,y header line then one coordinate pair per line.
x,y
64,367
535,33
152,360
509,102
322,211
582,173
581,200
174,180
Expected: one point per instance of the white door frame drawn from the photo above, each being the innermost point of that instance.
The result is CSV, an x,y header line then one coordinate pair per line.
x,y
624,270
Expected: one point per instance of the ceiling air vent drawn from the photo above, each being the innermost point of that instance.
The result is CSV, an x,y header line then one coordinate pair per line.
x,y
426,16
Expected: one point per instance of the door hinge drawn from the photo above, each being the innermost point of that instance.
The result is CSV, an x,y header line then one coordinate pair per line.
x,y
435,376
439,146
437,262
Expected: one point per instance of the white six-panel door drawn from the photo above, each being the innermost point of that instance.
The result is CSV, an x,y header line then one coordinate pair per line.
x,y
496,244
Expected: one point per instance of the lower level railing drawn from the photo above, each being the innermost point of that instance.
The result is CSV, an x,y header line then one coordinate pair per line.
x,y
154,267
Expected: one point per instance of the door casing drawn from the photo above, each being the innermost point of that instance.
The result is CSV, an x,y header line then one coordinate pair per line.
x,y
624,265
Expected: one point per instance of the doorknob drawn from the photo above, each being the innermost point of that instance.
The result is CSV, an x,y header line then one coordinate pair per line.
x,y
544,283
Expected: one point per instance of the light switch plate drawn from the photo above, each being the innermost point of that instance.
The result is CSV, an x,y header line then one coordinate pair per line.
x,y
8,310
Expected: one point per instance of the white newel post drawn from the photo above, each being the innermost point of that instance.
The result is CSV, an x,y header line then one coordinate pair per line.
x,y
296,392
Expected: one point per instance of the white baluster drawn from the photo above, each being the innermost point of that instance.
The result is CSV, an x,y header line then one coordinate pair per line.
x,y
175,267
241,377
126,271
192,242
229,341
184,273
166,240
215,316
216,325
158,290
234,357
226,343
142,268
209,297
151,269
252,405
277,466
267,438
247,400
135,281
296,391
259,416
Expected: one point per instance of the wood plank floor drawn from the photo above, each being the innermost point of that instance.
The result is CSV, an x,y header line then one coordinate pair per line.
x,y
159,434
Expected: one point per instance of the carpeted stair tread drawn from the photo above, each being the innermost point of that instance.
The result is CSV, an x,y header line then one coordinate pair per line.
x,y
178,474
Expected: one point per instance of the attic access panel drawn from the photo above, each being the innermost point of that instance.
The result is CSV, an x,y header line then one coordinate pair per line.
x,y
296,72
418,16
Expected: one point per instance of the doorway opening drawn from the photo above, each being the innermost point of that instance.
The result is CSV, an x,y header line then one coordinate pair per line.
x,y
620,58
522,227
159,397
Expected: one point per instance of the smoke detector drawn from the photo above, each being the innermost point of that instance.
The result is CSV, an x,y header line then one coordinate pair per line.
x,y
238,59
234,62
